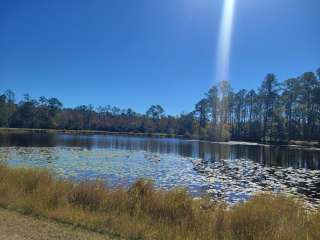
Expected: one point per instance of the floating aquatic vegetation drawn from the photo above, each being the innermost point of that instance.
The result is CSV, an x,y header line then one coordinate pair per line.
x,y
110,165
231,180
238,179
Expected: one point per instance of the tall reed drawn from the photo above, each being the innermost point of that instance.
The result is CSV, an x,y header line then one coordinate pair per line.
x,y
142,212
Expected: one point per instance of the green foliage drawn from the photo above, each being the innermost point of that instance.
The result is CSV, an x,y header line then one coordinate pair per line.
x,y
155,112
276,112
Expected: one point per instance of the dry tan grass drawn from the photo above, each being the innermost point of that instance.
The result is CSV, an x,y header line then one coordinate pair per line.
x,y
141,212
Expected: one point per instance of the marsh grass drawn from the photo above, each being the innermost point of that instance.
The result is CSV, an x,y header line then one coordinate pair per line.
x,y
142,212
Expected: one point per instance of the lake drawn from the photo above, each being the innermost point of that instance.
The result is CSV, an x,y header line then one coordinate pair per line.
x,y
231,171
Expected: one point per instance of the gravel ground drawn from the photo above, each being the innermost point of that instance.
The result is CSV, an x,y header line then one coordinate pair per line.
x,y
14,226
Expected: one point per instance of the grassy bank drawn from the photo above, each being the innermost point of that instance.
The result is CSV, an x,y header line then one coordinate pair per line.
x,y
141,212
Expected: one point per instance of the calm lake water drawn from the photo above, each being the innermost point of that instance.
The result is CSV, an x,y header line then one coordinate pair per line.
x,y
229,171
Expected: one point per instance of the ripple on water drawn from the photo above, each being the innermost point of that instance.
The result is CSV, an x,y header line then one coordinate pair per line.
x,y
231,180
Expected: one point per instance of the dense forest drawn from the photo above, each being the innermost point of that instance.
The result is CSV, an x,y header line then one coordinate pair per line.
x,y
276,112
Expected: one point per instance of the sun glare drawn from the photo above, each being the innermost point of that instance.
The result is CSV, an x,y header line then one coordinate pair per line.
x,y
225,36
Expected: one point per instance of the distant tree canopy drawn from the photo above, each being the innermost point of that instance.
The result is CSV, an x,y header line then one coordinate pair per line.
x,y
276,111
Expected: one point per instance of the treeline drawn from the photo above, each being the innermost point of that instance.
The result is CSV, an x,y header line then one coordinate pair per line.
x,y
49,113
276,112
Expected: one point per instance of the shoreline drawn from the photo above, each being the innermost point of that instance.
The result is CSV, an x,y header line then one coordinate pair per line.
x,y
88,132
142,212
292,143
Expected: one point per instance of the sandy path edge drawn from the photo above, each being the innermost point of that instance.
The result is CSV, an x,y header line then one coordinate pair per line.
x,y
14,226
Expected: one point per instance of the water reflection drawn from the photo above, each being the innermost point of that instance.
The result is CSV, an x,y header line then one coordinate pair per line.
x,y
232,171
283,156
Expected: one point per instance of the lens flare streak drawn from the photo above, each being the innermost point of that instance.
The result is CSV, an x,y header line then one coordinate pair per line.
x,y
225,36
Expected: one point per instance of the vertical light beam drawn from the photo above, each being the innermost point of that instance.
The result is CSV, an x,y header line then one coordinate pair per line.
x,y
225,35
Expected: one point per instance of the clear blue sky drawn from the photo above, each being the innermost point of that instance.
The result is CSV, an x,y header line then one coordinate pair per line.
x,y
134,53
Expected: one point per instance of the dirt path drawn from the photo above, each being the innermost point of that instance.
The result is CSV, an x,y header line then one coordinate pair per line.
x,y
14,226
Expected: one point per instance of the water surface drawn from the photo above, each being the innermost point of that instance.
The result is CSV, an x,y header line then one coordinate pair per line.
x,y
229,171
